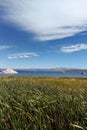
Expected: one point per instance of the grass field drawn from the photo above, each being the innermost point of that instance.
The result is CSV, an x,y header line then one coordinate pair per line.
x,y
28,103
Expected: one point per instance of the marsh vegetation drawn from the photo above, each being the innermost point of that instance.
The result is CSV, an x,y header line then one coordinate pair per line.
x,y
28,103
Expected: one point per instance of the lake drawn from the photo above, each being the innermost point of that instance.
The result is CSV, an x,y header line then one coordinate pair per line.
x,y
47,74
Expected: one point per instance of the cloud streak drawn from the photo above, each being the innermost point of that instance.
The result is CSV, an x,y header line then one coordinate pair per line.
x,y
22,55
74,48
3,47
47,19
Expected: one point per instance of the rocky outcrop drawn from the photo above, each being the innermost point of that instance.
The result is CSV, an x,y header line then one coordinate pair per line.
x,y
9,71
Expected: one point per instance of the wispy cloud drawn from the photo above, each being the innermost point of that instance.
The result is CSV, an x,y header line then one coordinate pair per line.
x,y
3,47
74,48
22,55
48,19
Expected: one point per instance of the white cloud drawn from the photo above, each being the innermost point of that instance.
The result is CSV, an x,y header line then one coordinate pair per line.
x,y
22,55
3,47
48,19
74,48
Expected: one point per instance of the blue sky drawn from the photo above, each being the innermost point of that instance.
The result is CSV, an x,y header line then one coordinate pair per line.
x,y
43,34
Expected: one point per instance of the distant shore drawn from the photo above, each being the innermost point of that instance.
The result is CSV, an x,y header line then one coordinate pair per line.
x,y
46,73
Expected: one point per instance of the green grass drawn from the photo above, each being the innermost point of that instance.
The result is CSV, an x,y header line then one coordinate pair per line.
x,y
28,103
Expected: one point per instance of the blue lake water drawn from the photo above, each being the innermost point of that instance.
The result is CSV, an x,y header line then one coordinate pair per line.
x,y
48,74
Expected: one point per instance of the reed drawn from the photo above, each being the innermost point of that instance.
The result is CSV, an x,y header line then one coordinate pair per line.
x,y
30,103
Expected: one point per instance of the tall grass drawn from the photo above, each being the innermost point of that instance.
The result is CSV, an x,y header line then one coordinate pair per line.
x,y
28,103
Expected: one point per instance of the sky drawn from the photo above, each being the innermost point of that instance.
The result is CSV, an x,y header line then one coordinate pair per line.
x,y
43,33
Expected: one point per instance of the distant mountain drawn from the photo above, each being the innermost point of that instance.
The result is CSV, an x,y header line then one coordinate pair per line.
x,y
59,69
